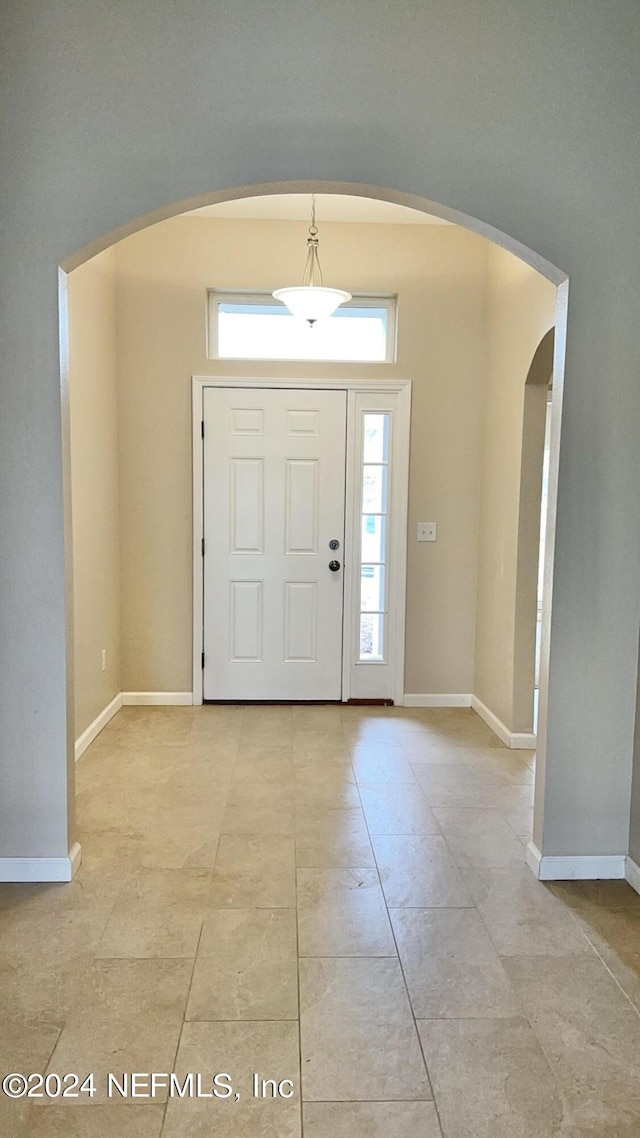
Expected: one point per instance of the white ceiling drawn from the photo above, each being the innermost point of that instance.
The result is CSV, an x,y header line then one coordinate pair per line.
x,y
329,207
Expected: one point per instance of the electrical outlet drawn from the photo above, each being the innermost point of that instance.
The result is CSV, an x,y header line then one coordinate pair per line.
x,y
427,531
104,659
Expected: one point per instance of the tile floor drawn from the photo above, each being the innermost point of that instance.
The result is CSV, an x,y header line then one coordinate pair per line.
x,y
335,896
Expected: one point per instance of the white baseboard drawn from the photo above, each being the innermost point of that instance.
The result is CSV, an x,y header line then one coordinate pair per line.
x,y
594,867
437,700
100,721
516,740
157,698
497,726
633,874
523,741
129,699
41,869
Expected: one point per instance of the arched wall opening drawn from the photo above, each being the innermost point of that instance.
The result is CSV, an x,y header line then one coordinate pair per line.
x,y
537,389
529,257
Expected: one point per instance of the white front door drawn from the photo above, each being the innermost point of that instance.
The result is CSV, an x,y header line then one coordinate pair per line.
x,y
274,498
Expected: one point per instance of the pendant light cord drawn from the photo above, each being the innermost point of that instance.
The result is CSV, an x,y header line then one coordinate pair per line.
x,y
313,259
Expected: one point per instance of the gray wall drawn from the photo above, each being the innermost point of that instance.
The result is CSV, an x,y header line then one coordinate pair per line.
x,y
523,115
634,839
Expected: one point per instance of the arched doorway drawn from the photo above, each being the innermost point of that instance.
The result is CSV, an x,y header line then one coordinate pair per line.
x,y
529,582
305,187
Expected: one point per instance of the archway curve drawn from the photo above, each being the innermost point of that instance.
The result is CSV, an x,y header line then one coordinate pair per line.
x,y
353,189
541,367
558,277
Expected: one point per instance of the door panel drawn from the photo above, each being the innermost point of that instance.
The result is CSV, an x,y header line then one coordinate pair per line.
x,y
246,618
274,489
301,528
247,505
300,620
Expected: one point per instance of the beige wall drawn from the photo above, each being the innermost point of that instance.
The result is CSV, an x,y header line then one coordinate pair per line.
x,y
470,317
439,275
94,472
520,310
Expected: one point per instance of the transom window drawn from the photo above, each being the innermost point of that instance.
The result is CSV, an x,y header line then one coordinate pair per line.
x,y
254,326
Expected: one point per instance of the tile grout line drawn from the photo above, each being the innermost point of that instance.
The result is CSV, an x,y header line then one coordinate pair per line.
x,y
525,1015
184,1017
473,906
516,995
454,806
384,746
195,957
404,979
295,886
449,850
495,947
603,961
298,957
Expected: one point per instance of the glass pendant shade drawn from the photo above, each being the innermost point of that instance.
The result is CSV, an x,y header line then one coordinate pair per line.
x,y
312,302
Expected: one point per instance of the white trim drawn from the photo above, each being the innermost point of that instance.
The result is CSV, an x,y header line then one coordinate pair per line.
x,y
454,699
41,869
592,867
523,741
157,698
632,874
197,411
497,726
349,562
382,679
129,699
399,533
94,729
517,740
533,858
320,383
399,387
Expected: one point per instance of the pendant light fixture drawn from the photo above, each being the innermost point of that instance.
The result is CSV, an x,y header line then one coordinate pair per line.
x,y
311,301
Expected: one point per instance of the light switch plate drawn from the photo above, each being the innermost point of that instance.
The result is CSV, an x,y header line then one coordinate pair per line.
x,y
427,531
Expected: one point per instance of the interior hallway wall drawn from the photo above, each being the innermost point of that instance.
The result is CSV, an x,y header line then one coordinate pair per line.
x,y
94,474
439,275
522,115
634,837
520,309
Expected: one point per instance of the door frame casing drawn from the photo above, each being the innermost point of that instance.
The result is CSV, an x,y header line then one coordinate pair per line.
x,y
401,388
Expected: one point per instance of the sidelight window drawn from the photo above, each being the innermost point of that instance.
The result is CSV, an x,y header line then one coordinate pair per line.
x,y
373,542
